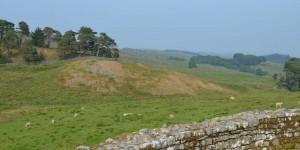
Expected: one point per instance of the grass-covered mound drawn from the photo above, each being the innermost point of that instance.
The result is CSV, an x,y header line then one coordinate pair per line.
x,y
114,77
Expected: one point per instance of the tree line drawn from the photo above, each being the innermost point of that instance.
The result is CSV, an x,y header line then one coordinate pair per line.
x,y
239,62
84,42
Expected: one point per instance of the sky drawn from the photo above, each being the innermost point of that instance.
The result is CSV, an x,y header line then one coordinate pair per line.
x,y
216,26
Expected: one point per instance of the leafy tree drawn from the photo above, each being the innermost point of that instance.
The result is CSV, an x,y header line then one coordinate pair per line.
x,y
278,58
106,46
227,63
10,41
275,76
248,60
292,74
24,28
214,60
57,36
4,27
38,37
30,53
86,37
48,31
260,72
281,81
67,44
192,64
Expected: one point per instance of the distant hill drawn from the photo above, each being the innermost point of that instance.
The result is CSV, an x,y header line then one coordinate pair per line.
x,y
182,51
278,58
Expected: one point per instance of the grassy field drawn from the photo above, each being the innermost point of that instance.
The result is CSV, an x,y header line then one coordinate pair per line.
x,y
36,94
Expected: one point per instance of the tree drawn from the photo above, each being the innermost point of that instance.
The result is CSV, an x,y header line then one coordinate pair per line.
x,y
86,37
260,72
10,41
4,27
24,28
30,53
24,31
57,36
48,31
292,74
275,76
67,44
192,64
248,60
38,37
106,46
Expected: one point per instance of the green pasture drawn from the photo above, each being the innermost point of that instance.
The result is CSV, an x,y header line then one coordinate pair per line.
x,y
35,94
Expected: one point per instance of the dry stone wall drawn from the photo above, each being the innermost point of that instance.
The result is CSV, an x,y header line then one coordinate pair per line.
x,y
279,129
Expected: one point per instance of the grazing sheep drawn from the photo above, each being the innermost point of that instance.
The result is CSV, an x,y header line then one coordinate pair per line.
x,y
27,124
127,114
82,108
172,116
76,115
53,121
231,98
279,104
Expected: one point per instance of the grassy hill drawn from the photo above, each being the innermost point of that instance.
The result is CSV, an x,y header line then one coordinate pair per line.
x,y
113,77
107,89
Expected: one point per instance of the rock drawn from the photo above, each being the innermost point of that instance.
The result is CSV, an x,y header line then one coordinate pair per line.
x,y
83,148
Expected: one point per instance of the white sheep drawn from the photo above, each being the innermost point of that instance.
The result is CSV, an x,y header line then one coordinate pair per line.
x,y
279,104
231,98
53,121
27,124
127,114
76,115
172,116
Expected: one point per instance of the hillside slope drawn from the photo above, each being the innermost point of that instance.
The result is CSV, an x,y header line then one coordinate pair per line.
x,y
113,77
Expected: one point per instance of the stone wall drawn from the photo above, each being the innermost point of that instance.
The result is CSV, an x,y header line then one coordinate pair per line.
x,y
279,129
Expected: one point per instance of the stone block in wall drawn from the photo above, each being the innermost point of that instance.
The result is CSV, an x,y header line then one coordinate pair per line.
x,y
245,140
270,137
207,141
222,138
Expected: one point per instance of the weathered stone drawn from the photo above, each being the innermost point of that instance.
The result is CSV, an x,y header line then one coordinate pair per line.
x,y
83,148
246,140
247,130
156,144
266,143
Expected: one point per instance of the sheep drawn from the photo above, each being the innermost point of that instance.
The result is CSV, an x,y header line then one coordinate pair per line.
x,y
53,121
279,104
82,108
172,116
76,115
127,114
27,124
231,98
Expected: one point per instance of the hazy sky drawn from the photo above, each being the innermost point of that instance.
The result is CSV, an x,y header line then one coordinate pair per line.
x,y
217,26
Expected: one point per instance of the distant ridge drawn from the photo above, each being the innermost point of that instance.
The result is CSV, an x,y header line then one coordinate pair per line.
x,y
182,51
277,58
